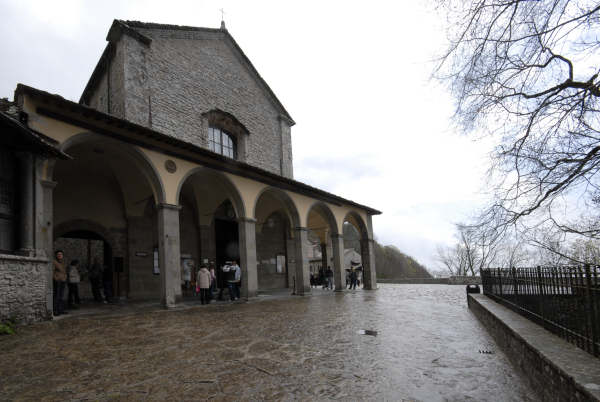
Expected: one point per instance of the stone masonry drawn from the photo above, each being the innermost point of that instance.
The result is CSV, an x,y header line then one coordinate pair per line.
x,y
23,282
169,83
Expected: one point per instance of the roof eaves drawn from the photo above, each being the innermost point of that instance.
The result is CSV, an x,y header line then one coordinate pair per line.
x,y
242,168
40,140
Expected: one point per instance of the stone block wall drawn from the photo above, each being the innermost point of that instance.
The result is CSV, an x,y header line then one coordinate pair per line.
x,y
23,282
270,243
168,85
554,379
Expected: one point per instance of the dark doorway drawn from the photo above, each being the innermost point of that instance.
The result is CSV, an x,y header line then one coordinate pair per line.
x,y
86,246
227,245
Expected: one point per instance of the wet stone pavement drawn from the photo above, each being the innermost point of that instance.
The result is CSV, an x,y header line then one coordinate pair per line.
x,y
426,347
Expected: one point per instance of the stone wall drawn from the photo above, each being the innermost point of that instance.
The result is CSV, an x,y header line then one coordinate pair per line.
x,y
557,370
270,242
169,84
23,282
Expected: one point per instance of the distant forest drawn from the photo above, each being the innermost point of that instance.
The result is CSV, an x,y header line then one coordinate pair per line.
x,y
390,262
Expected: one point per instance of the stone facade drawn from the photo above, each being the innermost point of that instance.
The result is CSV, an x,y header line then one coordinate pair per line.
x,y
23,283
170,83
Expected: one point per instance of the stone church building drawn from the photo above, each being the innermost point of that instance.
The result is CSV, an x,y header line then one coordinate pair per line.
x,y
178,153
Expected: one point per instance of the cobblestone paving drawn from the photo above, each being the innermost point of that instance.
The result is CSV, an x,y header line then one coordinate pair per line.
x,y
301,348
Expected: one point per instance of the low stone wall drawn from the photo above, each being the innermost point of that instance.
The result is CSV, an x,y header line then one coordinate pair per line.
x,y
23,287
464,280
415,281
556,369
453,280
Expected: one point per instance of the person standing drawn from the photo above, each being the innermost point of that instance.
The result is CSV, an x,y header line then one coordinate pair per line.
x,y
353,278
95,275
203,280
73,285
226,274
59,277
329,274
234,289
213,280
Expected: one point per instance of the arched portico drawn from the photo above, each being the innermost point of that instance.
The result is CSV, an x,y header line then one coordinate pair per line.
x,y
367,251
109,188
211,219
322,223
281,243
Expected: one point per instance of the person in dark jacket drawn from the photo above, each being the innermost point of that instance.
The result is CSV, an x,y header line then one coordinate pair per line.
x,y
353,278
329,274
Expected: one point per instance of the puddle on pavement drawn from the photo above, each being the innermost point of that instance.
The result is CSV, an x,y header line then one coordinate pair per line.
x,y
367,332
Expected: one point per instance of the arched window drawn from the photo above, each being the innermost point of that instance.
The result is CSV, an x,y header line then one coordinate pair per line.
x,y
222,142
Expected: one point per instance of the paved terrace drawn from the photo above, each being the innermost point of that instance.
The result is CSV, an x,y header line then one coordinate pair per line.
x,y
427,347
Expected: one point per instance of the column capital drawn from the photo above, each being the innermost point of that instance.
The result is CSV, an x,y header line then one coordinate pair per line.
x,y
162,205
336,236
246,219
48,183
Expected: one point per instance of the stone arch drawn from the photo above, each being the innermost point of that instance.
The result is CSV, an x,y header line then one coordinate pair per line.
x,y
290,209
231,189
357,221
86,226
141,161
323,209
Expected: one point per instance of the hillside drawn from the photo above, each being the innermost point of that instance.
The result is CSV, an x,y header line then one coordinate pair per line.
x,y
390,262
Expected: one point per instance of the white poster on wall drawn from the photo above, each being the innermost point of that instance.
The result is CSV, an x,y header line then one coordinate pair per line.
x,y
280,264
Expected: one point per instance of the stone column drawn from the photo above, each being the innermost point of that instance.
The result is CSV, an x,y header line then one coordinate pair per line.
x,y
169,253
45,233
337,242
302,276
324,259
368,261
290,252
247,242
27,203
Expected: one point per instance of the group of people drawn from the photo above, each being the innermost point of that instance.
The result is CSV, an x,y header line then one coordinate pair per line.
x,y
324,278
206,281
69,276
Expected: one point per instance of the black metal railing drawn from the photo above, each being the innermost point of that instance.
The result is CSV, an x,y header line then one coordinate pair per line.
x,y
565,299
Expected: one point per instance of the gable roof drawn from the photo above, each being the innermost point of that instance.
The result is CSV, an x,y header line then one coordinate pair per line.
x,y
57,107
120,27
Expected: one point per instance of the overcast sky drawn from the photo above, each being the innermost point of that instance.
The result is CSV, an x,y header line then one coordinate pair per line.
x,y
353,75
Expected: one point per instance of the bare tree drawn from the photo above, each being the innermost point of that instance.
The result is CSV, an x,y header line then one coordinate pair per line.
x,y
527,73
473,251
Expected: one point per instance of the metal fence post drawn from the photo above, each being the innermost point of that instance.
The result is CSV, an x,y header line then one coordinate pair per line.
x,y
591,313
515,285
499,271
541,291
